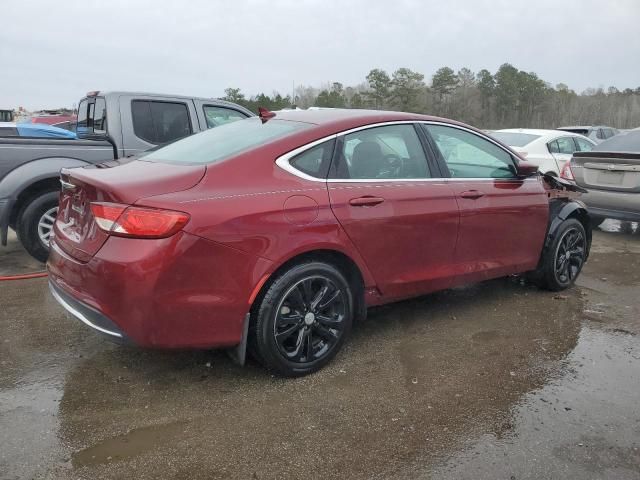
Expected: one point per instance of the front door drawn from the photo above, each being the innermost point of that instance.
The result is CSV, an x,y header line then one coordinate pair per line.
x,y
400,216
503,219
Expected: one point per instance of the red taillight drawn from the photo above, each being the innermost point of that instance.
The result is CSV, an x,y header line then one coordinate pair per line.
x,y
129,221
566,172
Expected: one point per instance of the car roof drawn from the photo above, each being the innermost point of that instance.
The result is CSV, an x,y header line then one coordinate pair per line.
x,y
532,131
343,118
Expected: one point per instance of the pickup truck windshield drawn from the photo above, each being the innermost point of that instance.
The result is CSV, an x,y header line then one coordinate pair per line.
x,y
224,141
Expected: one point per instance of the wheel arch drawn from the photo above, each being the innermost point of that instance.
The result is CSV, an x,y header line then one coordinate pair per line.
x,y
559,211
27,180
335,257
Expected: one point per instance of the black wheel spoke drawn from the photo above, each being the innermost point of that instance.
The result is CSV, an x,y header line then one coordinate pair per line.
x,y
287,332
297,299
325,333
319,297
307,292
328,321
299,346
329,300
309,345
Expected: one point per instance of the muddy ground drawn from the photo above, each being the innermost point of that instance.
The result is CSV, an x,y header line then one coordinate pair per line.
x,y
495,380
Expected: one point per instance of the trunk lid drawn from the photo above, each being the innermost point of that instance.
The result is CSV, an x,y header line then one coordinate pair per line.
x,y
119,181
616,172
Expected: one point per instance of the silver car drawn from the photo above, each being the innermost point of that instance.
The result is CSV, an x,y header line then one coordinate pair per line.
x,y
611,174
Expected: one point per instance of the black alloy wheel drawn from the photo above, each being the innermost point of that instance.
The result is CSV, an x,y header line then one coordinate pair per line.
x,y
310,319
302,320
570,255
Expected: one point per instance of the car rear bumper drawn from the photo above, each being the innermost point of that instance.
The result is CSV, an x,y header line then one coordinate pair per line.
x,y
179,292
618,205
89,316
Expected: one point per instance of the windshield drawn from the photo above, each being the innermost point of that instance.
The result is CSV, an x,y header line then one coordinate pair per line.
x,y
515,139
224,141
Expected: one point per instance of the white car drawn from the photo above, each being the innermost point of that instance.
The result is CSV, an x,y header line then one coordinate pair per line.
x,y
549,149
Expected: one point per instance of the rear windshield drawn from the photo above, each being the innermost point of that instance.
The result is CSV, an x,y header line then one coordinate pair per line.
x,y
224,141
515,139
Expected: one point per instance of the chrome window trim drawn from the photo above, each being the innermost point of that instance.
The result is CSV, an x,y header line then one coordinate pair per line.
x,y
79,315
283,160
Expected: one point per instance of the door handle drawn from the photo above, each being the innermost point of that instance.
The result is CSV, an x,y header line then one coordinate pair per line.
x,y
366,201
472,194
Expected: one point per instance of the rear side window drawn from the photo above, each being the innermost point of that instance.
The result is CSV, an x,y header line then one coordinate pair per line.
x,y
566,145
553,147
468,155
217,116
160,122
222,142
583,145
315,161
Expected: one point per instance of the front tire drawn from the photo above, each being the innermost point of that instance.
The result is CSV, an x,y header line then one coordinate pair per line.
x,y
302,320
35,224
563,262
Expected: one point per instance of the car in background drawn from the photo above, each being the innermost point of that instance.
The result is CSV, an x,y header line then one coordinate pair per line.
x,y
33,130
278,232
111,125
598,133
548,149
611,175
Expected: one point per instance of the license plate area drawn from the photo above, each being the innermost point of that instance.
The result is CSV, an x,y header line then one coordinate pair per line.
x,y
610,178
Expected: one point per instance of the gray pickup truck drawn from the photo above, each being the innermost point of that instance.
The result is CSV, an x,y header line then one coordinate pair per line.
x,y
110,126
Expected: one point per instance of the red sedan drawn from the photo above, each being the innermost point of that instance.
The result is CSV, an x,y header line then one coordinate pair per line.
x,y
277,232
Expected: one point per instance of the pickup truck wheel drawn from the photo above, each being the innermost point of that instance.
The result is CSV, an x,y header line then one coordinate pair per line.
x,y
35,224
565,259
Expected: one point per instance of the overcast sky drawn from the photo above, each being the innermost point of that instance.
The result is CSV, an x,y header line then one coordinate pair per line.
x,y
53,52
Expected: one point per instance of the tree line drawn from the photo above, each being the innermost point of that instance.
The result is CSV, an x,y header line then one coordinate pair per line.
x,y
507,98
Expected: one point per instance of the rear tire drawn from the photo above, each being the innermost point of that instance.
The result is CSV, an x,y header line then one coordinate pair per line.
x,y
302,320
34,220
565,258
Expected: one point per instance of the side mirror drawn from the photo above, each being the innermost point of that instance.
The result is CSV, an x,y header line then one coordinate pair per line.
x,y
526,169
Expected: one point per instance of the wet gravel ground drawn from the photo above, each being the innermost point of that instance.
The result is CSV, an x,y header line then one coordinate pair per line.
x,y
494,380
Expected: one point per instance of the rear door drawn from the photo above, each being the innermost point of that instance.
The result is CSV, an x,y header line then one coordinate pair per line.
x,y
503,219
149,121
401,216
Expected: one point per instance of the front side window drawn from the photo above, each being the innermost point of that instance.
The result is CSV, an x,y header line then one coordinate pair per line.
x,y
160,122
583,145
217,144
315,161
468,155
566,145
217,116
387,152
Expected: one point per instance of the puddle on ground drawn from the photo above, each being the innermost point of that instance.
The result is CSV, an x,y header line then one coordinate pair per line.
x,y
584,424
129,445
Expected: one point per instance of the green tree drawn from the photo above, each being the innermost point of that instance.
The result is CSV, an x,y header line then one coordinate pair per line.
x,y
444,82
507,92
380,85
332,98
233,95
407,85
